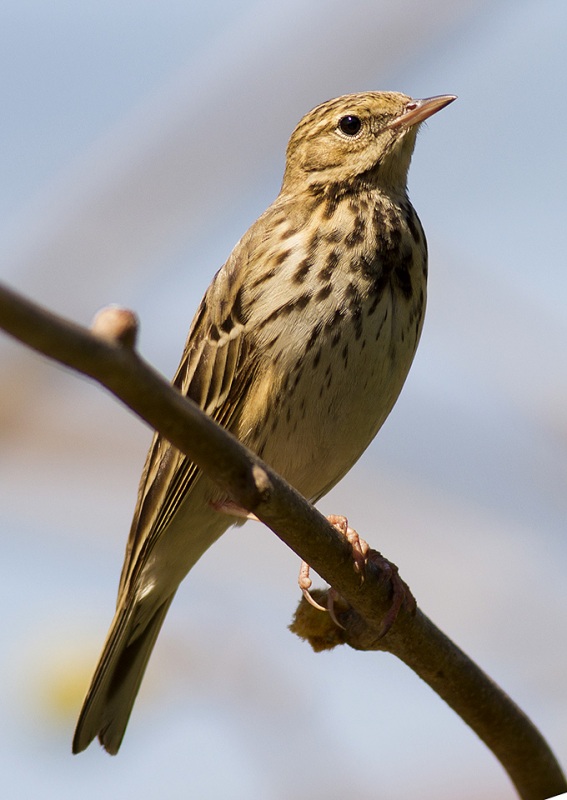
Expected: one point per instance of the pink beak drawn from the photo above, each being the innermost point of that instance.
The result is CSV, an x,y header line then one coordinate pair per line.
x,y
418,110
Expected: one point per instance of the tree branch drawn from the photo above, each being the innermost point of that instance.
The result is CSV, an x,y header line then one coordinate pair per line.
x,y
107,355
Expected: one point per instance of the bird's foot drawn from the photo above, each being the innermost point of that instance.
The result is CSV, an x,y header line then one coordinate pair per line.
x,y
360,550
362,555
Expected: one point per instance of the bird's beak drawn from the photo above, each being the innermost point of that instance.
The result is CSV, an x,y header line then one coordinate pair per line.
x,y
418,110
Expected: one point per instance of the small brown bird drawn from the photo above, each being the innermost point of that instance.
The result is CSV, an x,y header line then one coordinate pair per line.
x,y
300,348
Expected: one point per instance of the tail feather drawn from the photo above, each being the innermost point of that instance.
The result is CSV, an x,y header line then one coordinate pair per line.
x,y
115,684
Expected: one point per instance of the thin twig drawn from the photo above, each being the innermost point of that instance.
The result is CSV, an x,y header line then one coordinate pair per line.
x,y
108,356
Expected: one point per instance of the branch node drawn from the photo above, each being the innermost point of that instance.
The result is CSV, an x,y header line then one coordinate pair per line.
x,y
262,482
116,325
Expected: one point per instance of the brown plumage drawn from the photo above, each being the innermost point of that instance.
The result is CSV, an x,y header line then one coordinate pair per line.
x,y
300,347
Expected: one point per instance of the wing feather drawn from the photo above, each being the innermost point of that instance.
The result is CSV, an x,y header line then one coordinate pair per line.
x,y
214,372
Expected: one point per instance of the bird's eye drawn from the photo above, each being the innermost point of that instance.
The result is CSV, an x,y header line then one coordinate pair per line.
x,y
350,125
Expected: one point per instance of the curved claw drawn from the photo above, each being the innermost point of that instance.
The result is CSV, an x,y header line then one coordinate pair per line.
x,y
305,584
332,594
314,603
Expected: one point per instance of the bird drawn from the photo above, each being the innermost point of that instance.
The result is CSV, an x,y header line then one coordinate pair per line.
x,y
300,347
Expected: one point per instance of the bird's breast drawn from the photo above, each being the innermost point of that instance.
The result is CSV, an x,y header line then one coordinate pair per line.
x,y
339,343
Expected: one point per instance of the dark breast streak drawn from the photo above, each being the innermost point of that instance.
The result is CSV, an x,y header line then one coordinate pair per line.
x,y
393,257
337,267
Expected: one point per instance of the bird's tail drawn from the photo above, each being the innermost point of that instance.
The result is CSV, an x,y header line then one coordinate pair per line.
x,y
108,704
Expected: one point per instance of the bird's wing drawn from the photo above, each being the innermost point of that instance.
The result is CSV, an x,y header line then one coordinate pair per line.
x,y
215,371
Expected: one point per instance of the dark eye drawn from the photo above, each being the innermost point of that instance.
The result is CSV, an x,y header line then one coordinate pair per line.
x,y
350,125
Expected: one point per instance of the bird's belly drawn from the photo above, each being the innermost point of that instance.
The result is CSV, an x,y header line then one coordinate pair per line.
x,y
338,397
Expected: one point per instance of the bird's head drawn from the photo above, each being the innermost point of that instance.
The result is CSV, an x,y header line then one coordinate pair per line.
x,y
369,134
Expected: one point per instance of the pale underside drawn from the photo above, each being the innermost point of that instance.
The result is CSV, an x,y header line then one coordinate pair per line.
x,y
306,388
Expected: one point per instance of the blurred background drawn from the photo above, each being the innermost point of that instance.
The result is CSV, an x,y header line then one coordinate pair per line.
x,y
138,141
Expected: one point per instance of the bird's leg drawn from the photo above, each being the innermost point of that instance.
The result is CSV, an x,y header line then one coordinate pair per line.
x,y
232,509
